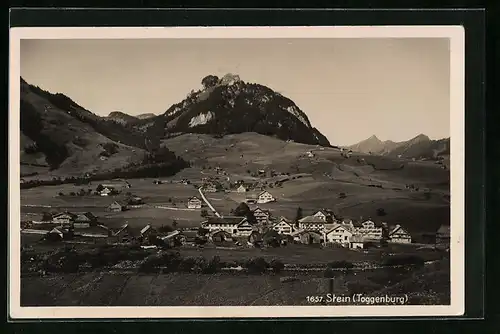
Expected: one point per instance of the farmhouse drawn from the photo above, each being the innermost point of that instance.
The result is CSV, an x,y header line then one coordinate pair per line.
x,y
54,234
194,203
399,235
284,226
82,221
338,234
261,216
369,230
265,197
443,234
308,237
233,225
63,218
356,242
106,191
326,215
115,207
241,189
313,223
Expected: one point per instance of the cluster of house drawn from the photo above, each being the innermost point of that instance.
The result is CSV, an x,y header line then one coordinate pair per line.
x,y
321,227
255,198
74,224
110,189
68,224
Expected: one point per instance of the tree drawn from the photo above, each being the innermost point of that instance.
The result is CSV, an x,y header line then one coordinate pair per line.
x,y
47,216
174,224
298,216
165,229
204,213
242,210
381,212
209,81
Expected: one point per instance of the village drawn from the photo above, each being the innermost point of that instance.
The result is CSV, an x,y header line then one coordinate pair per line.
x,y
249,225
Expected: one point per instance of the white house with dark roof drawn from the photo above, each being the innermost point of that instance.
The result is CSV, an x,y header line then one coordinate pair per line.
x,y
241,189
194,203
369,230
115,207
265,197
106,191
399,235
324,214
338,234
63,218
284,226
261,216
356,242
312,223
237,226
81,221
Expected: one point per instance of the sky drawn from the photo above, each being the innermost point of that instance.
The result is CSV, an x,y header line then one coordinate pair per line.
x,y
349,88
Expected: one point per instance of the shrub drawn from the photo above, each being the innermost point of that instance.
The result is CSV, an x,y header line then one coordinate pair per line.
x,y
362,287
257,265
329,273
187,264
165,229
277,266
342,264
401,260
342,195
204,213
381,212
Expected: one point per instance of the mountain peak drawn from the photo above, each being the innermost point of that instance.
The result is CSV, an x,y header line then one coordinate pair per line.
x,y
229,105
374,137
420,137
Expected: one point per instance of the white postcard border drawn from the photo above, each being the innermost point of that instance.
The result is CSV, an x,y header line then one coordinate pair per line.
x,y
456,35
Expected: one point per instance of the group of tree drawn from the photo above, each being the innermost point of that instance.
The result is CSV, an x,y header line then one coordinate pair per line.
x,y
243,210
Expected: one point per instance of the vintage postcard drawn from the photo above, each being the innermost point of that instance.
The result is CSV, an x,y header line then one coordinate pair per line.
x,y
236,172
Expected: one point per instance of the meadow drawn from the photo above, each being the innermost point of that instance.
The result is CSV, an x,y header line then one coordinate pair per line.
x,y
427,285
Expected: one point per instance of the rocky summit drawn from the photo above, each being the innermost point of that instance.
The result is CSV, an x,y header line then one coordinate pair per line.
x,y
229,105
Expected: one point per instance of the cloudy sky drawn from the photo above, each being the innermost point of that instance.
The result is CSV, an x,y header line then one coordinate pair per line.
x,y
349,88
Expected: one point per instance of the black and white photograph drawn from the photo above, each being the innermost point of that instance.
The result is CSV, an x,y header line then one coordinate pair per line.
x,y
236,172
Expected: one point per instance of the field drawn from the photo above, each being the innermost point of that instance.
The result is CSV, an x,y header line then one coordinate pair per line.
x,y
428,285
356,187
366,183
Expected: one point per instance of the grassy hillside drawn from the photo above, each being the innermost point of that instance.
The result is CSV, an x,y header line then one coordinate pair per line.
x,y
367,182
60,135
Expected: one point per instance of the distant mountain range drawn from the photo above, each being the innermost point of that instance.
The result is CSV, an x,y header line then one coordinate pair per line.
x,y
123,118
419,147
66,135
